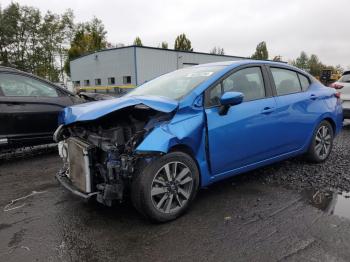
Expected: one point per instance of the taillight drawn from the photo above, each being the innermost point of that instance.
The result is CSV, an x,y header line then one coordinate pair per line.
x,y
336,86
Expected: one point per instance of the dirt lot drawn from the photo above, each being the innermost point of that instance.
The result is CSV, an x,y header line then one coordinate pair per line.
x,y
266,215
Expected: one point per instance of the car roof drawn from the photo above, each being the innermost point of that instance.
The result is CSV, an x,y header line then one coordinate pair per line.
x,y
5,68
233,64
243,62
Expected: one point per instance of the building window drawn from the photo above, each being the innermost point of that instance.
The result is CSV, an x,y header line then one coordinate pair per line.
x,y
86,82
126,80
97,81
111,81
76,83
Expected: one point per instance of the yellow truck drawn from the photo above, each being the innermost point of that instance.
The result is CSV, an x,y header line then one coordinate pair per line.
x,y
329,76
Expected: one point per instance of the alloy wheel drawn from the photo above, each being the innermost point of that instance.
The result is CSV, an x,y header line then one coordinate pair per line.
x,y
172,187
323,142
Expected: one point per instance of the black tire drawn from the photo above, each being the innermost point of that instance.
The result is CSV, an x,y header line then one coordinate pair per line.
x,y
147,177
313,153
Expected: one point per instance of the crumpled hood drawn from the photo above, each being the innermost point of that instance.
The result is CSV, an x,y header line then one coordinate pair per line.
x,y
95,110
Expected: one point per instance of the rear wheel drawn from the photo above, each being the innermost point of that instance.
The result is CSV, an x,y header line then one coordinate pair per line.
x,y
164,189
322,142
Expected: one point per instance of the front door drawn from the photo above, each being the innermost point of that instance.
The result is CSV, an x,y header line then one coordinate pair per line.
x,y
245,134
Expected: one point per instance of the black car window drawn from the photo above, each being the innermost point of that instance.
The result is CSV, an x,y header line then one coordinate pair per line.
x,y
248,81
304,81
286,81
20,85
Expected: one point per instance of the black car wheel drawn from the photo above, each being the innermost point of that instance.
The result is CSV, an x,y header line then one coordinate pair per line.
x,y
322,142
164,189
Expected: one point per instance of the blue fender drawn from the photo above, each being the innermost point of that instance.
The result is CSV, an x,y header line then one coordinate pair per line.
x,y
187,128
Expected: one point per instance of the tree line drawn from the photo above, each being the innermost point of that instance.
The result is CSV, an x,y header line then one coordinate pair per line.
x,y
311,63
35,42
44,44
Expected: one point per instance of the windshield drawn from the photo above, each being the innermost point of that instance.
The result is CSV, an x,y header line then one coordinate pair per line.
x,y
176,84
345,79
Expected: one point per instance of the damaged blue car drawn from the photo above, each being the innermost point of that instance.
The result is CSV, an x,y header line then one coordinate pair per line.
x,y
192,127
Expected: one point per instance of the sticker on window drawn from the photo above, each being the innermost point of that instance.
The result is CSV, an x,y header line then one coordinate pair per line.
x,y
197,74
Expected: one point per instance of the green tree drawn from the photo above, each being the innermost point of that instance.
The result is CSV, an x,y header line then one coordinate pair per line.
x,y
138,41
183,43
9,27
302,61
314,65
87,37
55,34
164,45
277,58
32,42
339,68
217,50
261,52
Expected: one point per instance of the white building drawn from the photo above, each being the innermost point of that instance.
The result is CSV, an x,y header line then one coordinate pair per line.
x,y
134,65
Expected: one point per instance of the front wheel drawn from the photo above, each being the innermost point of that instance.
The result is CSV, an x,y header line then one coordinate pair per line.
x,y
322,143
164,189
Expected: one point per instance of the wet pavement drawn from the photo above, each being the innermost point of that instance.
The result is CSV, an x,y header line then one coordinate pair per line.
x,y
291,211
330,202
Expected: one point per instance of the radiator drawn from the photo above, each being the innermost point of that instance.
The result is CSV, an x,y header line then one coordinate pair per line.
x,y
79,153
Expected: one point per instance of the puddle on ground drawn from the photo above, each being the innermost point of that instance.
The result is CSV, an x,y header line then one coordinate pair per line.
x,y
330,202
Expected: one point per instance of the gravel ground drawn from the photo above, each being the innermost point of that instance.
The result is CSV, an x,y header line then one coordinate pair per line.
x,y
297,173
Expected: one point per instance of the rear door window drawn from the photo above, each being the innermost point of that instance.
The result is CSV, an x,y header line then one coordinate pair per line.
x,y
286,81
24,86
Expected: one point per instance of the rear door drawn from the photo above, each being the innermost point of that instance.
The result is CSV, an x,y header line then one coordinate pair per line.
x,y
28,108
297,111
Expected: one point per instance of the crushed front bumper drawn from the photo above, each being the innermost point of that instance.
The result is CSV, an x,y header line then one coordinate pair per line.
x,y
66,182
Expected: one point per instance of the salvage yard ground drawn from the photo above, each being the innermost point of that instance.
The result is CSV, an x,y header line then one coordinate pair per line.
x,y
262,216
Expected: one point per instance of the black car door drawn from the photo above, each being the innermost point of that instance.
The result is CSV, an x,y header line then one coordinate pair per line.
x,y
29,108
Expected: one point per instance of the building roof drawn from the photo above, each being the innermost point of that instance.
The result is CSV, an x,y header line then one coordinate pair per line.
x,y
159,49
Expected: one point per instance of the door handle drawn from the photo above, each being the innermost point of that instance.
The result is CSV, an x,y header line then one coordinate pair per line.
x,y
267,110
313,97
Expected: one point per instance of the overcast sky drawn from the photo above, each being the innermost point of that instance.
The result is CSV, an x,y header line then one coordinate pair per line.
x,y
321,27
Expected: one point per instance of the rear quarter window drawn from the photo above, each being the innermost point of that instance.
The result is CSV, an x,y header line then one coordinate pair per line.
x,y
304,81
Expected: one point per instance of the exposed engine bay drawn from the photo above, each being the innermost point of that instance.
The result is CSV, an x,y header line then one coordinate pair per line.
x,y
99,155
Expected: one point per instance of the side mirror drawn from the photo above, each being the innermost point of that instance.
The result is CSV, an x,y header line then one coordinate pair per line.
x,y
229,99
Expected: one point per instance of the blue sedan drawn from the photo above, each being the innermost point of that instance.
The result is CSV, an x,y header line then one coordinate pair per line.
x,y
192,127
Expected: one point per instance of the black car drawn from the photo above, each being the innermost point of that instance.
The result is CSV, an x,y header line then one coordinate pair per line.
x,y
29,108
